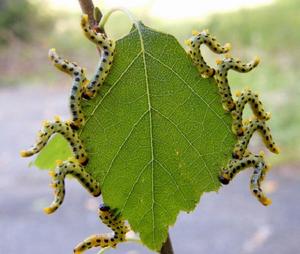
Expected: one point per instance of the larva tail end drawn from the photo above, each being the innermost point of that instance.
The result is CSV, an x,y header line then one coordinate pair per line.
x,y
51,173
25,153
52,53
276,150
187,42
195,32
49,210
238,93
265,201
59,162
218,61
84,20
45,123
227,55
227,47
57,118
268,115
256,61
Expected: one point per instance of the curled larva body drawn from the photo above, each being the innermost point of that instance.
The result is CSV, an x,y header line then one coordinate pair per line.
x,y
63,128
244,130
107,48
79,81
222,80
250,128
109,218
70,167
194,44
251,98
236,165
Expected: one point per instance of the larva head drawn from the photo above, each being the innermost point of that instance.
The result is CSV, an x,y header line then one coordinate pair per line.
x,y
104,208
224,179
105,212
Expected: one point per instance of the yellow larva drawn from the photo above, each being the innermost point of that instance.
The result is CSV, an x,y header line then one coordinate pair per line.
x,y
79,81
236,165
63,128
112,220
107,48
250,128
194,44
70,167
237,114
221,78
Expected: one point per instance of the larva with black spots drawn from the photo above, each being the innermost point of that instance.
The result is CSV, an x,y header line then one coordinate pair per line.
x,y
195,43
63,128
260,168
77,90
243,129
250,128
81,89
70,167
107,47
223,66
245,97
112,220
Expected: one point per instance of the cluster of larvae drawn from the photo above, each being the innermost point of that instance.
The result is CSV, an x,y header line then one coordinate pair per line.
x,y
82,89
242,158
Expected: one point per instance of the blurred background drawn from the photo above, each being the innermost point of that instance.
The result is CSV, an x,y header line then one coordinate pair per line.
x,y
228,222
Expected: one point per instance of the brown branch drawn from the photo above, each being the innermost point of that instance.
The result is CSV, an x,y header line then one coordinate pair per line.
x,y
87,7
167,247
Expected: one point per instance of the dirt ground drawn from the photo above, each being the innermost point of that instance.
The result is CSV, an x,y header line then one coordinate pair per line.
x,y
228,222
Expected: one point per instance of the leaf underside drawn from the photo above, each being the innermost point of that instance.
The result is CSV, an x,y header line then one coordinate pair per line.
x,y
157,135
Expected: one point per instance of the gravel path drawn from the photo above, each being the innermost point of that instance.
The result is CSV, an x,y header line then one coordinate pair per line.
x,y
228,222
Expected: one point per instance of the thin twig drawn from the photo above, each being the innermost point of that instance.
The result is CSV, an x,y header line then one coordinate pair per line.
x,y
87,7
167,247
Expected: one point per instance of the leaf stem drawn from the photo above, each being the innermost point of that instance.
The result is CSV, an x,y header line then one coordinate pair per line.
x,y
124,10
167,247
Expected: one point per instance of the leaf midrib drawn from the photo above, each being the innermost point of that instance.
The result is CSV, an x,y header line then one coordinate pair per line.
x,y
150,127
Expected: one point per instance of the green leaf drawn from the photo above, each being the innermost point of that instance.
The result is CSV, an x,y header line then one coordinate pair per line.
x,y
156,135
56,149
